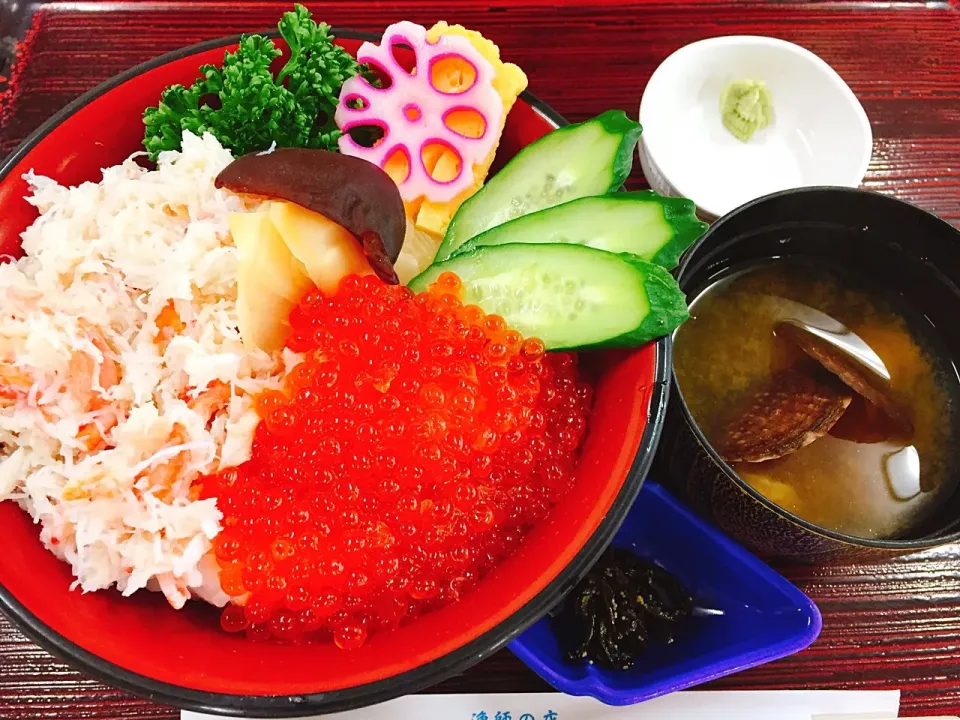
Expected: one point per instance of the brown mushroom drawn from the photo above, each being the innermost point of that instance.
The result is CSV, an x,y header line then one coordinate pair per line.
x,y
351,192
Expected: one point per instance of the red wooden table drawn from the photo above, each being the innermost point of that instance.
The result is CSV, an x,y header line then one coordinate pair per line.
x,y
886,625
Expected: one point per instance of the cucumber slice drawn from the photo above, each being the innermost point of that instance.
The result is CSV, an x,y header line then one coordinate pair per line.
x,y
569,296
645,224
589,158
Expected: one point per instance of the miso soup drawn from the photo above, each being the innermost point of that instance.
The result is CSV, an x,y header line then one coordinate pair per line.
x,y
860,478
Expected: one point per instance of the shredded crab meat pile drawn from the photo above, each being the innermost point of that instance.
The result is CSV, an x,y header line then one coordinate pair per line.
x,y
122,373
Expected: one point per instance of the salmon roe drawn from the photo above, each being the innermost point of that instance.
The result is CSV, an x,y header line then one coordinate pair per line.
x,y
408,454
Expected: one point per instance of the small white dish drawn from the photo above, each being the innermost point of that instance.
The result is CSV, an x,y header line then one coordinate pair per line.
x,y
820,134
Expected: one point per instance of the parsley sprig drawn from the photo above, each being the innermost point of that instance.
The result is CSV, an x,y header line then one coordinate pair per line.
x,y
248,109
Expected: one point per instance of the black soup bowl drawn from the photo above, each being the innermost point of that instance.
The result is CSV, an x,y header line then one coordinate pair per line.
x,y
908,251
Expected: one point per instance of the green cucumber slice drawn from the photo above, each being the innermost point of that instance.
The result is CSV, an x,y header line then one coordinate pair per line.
x,y
590,158
569,296
652,227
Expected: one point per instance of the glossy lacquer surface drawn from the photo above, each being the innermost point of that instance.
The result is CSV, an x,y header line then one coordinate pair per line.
x,y
893,624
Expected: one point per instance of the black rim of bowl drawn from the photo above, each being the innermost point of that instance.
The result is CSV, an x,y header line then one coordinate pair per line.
x,y
931,541
409,681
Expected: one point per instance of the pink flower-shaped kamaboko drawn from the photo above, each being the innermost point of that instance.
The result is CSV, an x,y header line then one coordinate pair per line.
x,y
413,114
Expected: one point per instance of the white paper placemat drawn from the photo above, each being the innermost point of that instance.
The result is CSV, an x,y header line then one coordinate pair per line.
x,y
702,705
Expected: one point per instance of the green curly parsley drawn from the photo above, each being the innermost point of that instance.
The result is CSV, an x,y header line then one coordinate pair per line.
x,y
248,109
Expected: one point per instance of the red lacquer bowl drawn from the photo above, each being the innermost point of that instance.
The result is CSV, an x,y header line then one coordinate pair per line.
x,y
183,658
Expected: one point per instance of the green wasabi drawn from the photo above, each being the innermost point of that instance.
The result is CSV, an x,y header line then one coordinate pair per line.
x,y
745,107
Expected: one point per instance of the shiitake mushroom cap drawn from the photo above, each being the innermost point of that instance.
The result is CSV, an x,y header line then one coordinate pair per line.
x,y
351,192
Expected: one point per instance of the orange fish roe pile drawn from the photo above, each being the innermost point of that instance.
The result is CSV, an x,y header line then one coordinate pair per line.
x,y
409,453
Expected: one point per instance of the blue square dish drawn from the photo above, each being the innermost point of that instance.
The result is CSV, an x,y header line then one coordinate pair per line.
x,y
753,615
